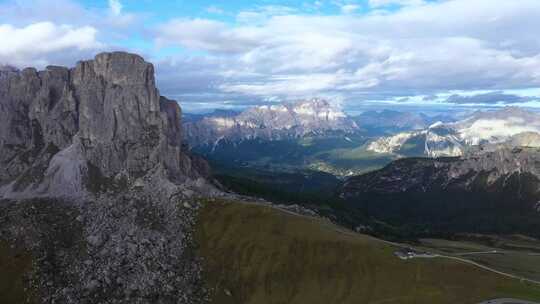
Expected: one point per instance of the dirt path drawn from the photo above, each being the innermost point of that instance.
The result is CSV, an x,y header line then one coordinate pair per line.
x,y
507,301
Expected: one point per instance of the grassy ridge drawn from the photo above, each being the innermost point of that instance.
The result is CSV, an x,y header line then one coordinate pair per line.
x,y
255,254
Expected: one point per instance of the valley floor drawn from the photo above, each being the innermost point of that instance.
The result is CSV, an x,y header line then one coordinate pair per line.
x,y
257,254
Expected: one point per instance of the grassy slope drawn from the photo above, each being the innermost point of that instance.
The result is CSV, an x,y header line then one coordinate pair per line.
x,y
14,266
524,263
256,254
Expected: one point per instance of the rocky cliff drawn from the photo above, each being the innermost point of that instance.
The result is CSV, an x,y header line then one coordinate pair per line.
x,y
95,184
68,132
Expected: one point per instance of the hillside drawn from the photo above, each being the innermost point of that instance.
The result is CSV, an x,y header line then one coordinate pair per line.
x,y
255,254
494,192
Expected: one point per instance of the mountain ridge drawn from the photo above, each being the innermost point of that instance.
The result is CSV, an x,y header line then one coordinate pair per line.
x,y
287,120
508,125
494,191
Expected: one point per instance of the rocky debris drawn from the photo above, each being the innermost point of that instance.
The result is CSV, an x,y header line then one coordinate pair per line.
x,y
97,185
288,120
124,250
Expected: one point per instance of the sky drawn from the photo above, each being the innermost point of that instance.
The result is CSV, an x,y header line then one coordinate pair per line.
x,y
357,53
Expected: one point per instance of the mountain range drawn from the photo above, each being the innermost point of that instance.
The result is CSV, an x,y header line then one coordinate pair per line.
x,y
274,122
510,125
287,120
489,191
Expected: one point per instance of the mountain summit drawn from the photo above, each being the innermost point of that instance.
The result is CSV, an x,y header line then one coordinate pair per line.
x,y
72,132
269,122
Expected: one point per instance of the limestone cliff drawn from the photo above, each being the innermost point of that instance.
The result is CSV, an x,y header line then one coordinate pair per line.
x,y
71,132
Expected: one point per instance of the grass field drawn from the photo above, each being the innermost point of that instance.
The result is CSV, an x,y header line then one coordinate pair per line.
x,y
14,266
524,262
254,254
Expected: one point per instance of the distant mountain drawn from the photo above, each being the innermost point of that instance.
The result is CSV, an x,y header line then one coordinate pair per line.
x,y
288,120
494,191
510,125
309,134
390,121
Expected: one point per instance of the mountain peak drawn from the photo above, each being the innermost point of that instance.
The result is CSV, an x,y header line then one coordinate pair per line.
x,y
297,119
101,120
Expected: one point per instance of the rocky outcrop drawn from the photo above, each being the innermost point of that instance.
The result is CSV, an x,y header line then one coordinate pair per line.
x,y
95,183
104,120
288,120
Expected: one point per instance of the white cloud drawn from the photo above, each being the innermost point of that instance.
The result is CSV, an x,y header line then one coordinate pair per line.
x,y
214,10
204,34
116,7
382,3
32,43
262,14
349,8
417,50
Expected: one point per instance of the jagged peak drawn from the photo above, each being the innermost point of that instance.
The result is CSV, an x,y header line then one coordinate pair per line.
x,y
8,68
106,113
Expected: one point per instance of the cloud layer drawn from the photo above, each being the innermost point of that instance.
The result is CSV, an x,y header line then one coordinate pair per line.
x,y
363,51
33,43
422,48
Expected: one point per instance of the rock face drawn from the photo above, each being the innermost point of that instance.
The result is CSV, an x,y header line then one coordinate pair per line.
x,y
288,120
510,125
104,118
94,182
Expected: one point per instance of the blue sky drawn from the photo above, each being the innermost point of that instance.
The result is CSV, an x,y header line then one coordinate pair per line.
x,y
234,54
